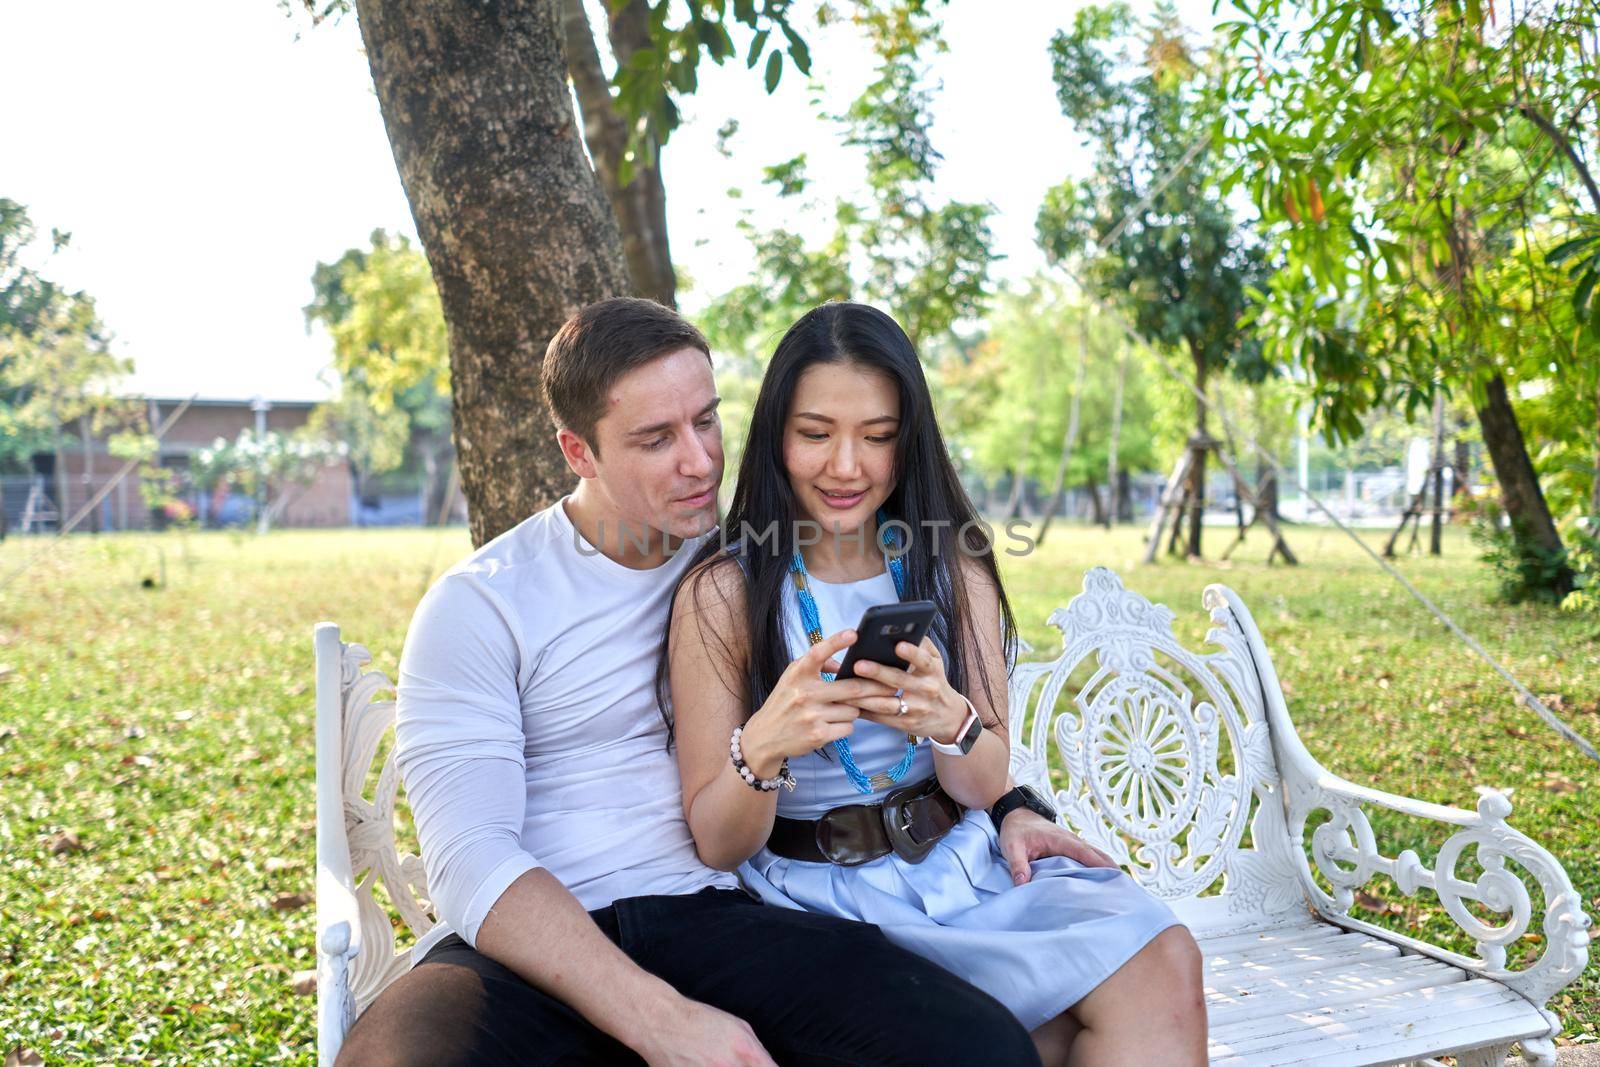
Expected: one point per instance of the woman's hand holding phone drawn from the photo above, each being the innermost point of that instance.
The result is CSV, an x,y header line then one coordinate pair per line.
x,y
933,708
803,712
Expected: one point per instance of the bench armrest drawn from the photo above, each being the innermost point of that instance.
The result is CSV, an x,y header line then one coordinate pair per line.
x,y
1345,853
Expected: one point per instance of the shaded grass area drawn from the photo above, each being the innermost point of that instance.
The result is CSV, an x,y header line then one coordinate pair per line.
x,y
168,729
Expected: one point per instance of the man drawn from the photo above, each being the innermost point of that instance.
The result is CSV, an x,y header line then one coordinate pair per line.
x,y
578,923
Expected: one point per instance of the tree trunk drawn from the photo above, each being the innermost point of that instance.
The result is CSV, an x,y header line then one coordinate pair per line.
x,y
60,479
437,460
1531,524
1267,491
1124,510
1197,470
1436,474
1014,503
475,99
1097,508
87,438
1113,476
1594,491
640,205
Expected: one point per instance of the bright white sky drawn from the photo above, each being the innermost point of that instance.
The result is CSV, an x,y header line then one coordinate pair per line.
x,y
204,161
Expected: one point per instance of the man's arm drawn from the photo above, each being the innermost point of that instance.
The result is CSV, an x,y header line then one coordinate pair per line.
x,y
539,930
459,744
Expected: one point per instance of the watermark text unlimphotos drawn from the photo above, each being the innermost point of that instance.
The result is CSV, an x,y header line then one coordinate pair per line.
x,y
974,538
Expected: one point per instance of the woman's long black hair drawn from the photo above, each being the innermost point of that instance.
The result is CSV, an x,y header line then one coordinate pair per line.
x,y
927,497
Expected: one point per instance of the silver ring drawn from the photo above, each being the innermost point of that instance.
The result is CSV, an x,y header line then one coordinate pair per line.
x,y
903,707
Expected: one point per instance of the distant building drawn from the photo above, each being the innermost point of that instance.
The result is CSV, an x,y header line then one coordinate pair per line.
x,y
327,501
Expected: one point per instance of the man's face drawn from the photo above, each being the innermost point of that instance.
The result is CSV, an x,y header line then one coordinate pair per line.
x,y
659,460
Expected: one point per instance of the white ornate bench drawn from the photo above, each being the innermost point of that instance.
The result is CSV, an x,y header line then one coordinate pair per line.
x,y
1186,768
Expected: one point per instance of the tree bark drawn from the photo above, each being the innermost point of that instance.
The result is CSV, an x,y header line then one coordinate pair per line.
x,y
1520,494
1594,490
88,470
437,461
1197,470
517,230
640,205
1097,509
1267,491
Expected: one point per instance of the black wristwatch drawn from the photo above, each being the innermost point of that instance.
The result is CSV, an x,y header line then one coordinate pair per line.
x,y
1023,796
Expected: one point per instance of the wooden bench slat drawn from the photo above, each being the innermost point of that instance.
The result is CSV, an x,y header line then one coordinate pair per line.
x,y
1396,1026
1327,989
1287,961
1272,1031
1300,935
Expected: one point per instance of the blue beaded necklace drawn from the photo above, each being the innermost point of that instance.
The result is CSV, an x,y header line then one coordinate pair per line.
x,y
812,619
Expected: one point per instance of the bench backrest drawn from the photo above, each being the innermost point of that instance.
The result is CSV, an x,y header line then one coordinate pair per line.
x,y
1162,754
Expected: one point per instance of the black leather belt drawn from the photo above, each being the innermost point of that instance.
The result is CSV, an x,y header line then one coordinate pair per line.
x,y
908,822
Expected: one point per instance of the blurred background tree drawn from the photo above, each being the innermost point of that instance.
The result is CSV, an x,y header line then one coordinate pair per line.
x,y
1143,230
927,263
381,310
1414,167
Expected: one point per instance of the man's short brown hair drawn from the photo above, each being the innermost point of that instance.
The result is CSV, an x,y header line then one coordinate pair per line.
x,y
600,344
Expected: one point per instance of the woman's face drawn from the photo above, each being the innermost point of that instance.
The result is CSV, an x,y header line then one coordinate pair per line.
x,y
839,443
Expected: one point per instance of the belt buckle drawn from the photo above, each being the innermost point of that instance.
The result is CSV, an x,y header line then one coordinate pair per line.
x,y
897,825
844,836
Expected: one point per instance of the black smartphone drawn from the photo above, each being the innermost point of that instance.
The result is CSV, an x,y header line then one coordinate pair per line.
x,y
882,627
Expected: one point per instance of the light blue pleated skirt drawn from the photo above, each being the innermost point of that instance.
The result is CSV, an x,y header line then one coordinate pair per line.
x,y
1038,948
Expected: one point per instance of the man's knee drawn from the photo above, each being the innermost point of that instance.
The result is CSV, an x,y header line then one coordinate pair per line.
x,y
426,1017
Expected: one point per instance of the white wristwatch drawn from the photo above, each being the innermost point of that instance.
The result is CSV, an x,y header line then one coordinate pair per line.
x,y
966,737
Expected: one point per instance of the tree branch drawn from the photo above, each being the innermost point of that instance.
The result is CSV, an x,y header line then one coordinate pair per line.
x,y
1549,129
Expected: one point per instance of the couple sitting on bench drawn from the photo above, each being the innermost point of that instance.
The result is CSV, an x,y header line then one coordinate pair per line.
x,y
657,827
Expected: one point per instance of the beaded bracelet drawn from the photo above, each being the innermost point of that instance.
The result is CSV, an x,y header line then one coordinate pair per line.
x,y
784,778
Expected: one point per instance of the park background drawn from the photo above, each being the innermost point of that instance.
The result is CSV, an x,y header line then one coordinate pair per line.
x,y
1368,235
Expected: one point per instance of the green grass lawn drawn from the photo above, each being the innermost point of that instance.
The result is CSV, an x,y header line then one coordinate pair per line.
x,y
156,704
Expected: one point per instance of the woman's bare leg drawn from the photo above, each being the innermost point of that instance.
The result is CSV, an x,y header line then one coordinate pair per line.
x,y
1151,1010
1054,1039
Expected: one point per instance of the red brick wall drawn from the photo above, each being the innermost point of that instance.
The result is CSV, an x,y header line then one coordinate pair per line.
x,y
326,502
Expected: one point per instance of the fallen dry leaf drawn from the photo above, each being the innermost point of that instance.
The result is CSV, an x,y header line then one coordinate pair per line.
x,y
303,983
290,901
64,843
22,1056
183,716
6,672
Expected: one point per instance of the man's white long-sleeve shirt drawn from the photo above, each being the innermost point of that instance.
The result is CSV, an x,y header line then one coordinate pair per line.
x,y
526,728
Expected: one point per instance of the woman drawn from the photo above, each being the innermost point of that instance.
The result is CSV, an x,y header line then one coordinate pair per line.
x,y
846,498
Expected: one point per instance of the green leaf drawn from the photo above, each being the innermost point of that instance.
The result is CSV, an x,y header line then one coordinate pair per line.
x,y
1567,249
798,51
774,70
757,43
1580,295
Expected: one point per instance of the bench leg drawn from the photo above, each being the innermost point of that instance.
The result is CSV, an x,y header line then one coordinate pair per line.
x,y
1487,1056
